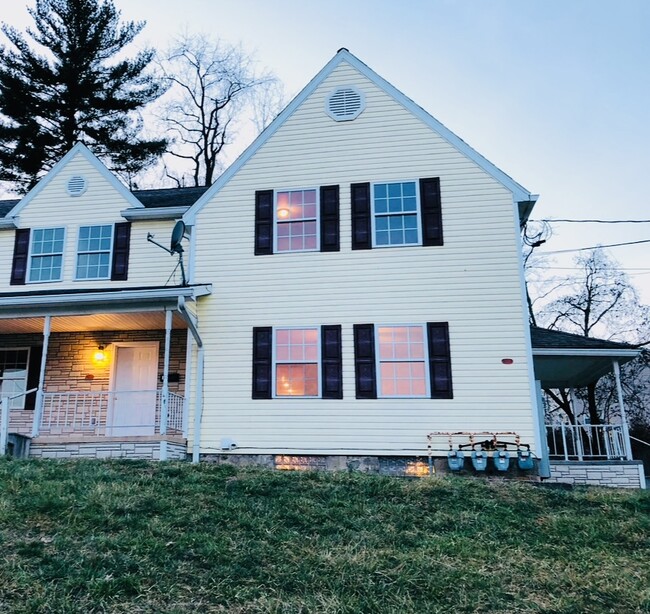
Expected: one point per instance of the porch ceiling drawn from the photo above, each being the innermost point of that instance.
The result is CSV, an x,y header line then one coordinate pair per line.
x,y
145,320
563,370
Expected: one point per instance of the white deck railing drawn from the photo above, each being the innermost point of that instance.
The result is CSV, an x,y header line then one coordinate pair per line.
x,y
111,413
586,442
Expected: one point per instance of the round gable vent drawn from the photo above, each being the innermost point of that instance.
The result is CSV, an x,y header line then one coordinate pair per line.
x,y
77,185
345,104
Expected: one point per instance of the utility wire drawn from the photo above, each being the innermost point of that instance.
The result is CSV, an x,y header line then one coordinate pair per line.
x,y
550,221
582,249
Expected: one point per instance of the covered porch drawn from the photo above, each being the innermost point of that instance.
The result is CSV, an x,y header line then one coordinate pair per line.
x,y
98,374
580,452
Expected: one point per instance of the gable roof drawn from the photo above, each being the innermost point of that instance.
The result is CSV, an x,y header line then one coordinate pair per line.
x,y
81,149
521,195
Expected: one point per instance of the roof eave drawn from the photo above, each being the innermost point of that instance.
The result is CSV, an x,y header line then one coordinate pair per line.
x,y
520,194
154,213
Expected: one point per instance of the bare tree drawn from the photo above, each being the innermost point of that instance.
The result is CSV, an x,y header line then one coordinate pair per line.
x,y
599,301
211,84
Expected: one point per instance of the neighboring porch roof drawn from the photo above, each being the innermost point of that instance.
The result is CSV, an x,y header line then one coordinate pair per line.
x,y
110,309
564,360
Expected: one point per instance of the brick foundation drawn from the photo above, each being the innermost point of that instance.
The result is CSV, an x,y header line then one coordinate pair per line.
x,y
615,474
398,466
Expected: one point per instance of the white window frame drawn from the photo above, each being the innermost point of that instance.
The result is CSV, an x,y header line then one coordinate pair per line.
x,y
374,214
274,362
18,403
110,252
378,362
31,255
277,221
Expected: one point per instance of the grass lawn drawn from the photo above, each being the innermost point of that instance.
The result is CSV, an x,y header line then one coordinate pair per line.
x,y
89,536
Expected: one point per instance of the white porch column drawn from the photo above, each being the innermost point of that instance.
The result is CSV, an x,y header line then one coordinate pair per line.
x,y
189,354
621,404
38,406
544,464
164,409
577,438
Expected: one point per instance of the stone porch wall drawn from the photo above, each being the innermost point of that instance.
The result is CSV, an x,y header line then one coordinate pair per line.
x,y
615,474
69,367
145,450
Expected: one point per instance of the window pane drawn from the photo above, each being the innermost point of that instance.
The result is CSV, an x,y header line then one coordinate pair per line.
x,y
402,361
296,380
296,219
93,252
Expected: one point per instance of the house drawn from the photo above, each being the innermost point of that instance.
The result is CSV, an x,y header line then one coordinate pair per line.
x,y
352,297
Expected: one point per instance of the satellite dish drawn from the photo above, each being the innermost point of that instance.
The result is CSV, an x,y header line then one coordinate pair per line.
x,y
177,237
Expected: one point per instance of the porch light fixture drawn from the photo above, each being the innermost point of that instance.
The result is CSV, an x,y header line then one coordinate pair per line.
x,y
100,357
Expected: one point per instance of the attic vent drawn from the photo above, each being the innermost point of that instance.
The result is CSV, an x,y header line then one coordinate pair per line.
x,y
345,104
77,185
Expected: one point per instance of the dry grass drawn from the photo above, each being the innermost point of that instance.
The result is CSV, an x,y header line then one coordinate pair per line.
x,y
167,537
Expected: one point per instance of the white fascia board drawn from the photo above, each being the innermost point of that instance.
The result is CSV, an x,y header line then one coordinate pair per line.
x,y
520,193
108,300
190,217
8,223
154,213
54,171
586,353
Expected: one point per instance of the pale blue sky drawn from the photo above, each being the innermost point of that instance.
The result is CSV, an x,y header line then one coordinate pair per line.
x,y
554,92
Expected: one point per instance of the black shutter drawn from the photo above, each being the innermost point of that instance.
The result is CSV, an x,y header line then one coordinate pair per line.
x,y
263,222
439,360
21,250
262,362
361,227
329,218
431,211
121,243
332,362
33,374
364,361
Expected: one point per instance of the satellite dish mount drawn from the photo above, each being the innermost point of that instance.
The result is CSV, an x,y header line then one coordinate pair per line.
x,y
175,246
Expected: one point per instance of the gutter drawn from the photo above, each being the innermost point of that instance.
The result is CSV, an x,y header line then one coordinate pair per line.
x,y
154,213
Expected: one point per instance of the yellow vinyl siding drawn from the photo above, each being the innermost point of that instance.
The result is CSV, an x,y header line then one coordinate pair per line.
x,y
100,204
472,282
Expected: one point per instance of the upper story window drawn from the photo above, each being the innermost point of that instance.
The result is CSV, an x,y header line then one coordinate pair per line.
x,y
296,218
402,361
46,254
102,252
94,252
297,362
395,214
13,375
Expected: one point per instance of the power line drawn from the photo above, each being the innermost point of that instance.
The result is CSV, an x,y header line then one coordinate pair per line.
x,y
549,220
581,249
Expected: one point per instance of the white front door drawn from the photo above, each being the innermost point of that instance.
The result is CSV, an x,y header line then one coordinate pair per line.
x,y
135,378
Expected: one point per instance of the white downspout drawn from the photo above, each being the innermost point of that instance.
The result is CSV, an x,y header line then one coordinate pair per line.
x,y
198,392
198,406
621,404
164,409
38,408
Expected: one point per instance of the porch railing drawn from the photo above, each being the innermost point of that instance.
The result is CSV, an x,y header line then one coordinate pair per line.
x,y
586,442
97,413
